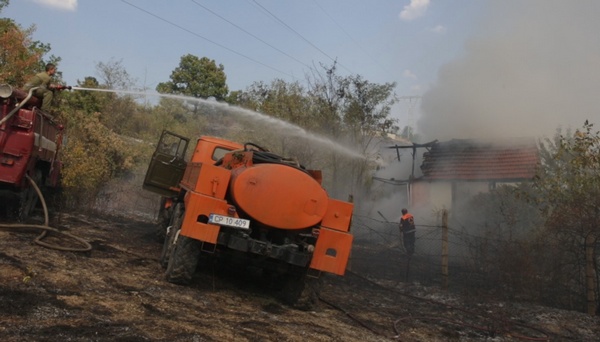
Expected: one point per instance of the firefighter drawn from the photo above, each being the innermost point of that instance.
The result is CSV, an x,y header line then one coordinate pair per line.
x,y
45,88
407,228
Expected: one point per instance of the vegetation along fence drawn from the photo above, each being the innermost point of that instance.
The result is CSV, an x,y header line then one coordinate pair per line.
x,y
501,267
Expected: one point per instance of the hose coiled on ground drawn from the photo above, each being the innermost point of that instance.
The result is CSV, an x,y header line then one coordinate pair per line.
x,y
46,228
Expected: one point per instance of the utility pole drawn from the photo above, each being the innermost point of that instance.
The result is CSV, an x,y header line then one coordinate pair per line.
x,y
412,101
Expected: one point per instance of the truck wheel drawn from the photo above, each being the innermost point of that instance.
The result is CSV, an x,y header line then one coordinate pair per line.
x,y
300,292
183,260
165,216
173,225
29,198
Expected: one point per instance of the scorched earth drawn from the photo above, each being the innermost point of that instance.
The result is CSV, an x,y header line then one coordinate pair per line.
x,y
117,292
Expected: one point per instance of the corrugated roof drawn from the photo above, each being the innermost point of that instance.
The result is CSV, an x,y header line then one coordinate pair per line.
x,y
469,160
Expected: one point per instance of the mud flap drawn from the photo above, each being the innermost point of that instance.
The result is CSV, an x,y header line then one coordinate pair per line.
x,y
332,251
195,222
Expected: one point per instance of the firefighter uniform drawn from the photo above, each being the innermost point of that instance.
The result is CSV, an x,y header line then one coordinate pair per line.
x,y
44,91
408,230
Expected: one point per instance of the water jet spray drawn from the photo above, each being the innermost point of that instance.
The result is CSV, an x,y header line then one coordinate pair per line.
x,y
293,129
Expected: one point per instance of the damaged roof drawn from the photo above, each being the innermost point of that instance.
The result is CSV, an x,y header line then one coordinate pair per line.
x,y
471,160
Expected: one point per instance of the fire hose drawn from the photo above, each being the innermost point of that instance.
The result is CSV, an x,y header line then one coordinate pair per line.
x,y
27,98
19,105
46,228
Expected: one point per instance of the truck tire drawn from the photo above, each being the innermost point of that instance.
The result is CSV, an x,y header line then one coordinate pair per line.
x,y
172,226
300,292
28,198
183,260
165,216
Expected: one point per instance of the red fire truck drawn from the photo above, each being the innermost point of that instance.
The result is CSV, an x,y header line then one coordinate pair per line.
x,y
30,140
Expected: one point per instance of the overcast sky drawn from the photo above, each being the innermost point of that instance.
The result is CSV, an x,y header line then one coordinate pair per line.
x,y
482,67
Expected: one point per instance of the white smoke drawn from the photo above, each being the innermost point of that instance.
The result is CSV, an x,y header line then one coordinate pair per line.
x,y
533,67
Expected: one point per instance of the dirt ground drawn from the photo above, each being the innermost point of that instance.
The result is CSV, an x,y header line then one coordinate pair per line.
x,y
117,292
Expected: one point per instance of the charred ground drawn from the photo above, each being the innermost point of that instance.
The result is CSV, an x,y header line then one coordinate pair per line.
x,y
117,292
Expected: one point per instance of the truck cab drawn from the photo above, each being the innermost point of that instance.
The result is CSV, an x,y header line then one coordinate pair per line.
x,y
168,162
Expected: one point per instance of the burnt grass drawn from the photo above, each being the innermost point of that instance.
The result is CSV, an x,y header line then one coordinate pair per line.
x,y
117,292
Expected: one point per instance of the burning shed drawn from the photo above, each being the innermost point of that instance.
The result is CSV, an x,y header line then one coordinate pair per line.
x,y
460,168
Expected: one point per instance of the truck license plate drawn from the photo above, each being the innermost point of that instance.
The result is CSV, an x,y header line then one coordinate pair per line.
x,y
229,221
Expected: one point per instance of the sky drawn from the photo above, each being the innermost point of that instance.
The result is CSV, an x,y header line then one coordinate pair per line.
x,y
255,40
463,68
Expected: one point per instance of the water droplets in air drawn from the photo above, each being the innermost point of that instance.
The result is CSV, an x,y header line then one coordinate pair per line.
x,y
273,122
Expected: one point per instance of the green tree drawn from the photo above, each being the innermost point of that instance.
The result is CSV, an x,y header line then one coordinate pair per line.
x,y
355,112
21,56
289,103
568,191
87,101
368,108
169,114
100,126
196,77
92,155
366,116
120,111
3,3
327,91
114,75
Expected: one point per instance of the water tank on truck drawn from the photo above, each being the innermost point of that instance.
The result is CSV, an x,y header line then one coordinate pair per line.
x,y
244,204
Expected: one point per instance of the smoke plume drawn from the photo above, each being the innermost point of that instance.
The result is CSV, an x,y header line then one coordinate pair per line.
x,y
533,67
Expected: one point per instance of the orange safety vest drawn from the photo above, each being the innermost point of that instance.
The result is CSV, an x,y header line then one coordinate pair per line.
x,y
407,223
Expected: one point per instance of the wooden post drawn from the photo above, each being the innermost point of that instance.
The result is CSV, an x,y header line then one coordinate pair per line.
x,y
445,249
590,274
